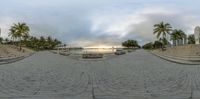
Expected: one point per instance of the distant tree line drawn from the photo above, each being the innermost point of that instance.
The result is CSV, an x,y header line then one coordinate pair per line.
x,y
153,45
41,43
19,35
131,44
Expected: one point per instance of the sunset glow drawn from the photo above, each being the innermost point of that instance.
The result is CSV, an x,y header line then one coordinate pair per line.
x,y
104,46
100,46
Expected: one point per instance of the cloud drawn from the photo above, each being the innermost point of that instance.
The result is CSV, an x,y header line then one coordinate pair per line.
x,y
5,23
90,22
139,23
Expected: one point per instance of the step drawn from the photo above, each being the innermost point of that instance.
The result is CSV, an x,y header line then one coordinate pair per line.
x,y
178,60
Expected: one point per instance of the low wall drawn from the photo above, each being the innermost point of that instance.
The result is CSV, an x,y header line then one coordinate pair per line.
x,y
181,51
13,59
187,54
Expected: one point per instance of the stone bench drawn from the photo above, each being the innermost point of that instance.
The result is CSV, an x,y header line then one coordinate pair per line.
x,y
64,54
91,56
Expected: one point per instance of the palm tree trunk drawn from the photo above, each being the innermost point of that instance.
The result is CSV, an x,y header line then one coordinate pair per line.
x,y
162,41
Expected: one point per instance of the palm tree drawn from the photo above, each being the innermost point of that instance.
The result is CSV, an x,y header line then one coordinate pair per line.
x,y
42,42
174,38
49,42
1,40
12,34
191,39
56,42
25,37
157,44
162,29
19,30
178,36
6,40
35,42
183,36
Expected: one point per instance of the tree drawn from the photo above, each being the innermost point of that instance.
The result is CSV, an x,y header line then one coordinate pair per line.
x,y
183,37
36,42
130,43
1,40
6,41
174,37
12,34
177,36
191,39
157,44
49,43
162,29
19,31
25,37
42,42
57,42
148,46
19,34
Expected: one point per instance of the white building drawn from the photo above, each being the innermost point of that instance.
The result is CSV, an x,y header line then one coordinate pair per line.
x,y
197,35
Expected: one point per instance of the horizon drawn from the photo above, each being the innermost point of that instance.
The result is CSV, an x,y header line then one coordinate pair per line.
x,y
92,23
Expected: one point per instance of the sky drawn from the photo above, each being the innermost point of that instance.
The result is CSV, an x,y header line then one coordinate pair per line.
x,y
99,22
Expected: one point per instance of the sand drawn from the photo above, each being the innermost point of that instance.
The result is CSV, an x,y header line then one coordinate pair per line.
x,y
137,75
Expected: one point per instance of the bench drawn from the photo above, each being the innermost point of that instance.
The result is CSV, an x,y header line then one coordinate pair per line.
x,y
92,56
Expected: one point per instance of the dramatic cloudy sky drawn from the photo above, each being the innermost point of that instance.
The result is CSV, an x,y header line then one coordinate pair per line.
x,y
89,22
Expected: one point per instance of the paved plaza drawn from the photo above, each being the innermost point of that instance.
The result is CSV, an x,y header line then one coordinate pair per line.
x,y
136,75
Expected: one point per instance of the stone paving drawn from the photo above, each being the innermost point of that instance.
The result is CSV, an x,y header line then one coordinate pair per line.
x,y
136,75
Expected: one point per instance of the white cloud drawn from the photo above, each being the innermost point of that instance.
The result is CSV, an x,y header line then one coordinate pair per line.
x,y
5,23
139,23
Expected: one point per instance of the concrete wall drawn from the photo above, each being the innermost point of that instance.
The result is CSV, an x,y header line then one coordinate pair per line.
x,y
184,50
